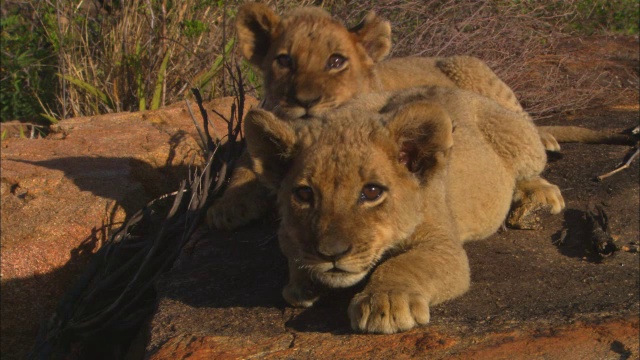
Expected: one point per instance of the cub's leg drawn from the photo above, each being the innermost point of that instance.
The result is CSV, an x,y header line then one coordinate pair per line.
x,y
549,142
473,74
532,196
401,289
517,141
244,200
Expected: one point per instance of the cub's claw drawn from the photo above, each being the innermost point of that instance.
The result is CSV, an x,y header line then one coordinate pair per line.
x,y
388,312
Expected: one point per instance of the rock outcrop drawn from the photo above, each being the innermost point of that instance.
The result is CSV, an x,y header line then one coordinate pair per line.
x,y
62,195
542,294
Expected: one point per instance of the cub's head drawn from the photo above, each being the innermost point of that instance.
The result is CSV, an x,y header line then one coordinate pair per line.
x,y
310,61
349,194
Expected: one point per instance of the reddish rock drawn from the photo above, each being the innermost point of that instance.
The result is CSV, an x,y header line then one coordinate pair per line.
x,y
616,339
608,340
63,194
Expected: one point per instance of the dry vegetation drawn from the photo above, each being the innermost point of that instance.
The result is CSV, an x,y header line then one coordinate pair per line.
x,y
143,54
510,36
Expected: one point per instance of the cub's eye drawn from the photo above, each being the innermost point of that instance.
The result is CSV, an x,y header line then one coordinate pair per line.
x,y
284,61
336,61
371,192
304,194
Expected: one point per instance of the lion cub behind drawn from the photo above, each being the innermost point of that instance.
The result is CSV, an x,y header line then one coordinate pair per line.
x,y
391,188
312,64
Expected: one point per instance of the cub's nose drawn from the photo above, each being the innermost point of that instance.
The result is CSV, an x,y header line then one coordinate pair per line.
x,y
334,251
306,102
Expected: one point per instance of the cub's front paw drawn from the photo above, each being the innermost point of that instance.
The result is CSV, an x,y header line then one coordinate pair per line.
x,y
237,208
388,312
299,296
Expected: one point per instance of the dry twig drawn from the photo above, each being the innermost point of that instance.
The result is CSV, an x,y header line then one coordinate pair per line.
x,y
116,292
624,165
628,158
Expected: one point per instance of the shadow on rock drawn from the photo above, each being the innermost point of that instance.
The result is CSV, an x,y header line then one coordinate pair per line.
x,y
217,269
223,271
620,349
27,302
553,156
130,183
328,315
118,179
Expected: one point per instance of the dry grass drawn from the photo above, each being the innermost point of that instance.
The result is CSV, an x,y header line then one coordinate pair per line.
x,y
142,54
511,37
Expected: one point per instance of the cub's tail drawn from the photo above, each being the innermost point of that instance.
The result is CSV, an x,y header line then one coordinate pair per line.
x,y
575,134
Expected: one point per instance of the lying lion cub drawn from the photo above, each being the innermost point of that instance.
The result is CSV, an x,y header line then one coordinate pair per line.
x,y
392,188
311,64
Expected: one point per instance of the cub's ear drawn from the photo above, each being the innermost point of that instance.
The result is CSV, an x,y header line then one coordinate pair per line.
x,y
255,24
374,33
270,143
424,132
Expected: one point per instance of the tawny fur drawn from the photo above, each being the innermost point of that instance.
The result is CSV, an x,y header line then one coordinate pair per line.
x,y
424,148
575,134
309,35
308,87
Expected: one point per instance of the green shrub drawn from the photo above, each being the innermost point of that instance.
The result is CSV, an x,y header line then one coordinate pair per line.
x,y
193,28
28,85
616,16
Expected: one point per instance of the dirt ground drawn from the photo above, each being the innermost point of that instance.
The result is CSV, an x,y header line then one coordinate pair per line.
x,y
555,273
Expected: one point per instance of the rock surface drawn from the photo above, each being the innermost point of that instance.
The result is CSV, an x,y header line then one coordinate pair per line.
x,y
62,195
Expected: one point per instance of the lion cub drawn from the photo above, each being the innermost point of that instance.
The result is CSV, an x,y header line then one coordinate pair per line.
x,y
312,64
381,190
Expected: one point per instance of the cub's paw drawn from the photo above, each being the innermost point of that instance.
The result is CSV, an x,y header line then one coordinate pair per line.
x,y
235,209
549,141
547,194
533,197
299,296
388,312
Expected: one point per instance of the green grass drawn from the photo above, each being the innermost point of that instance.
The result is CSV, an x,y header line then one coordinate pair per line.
x,y
27,83
613,16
